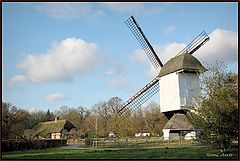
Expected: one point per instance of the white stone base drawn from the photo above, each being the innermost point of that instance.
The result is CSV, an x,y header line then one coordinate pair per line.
x,y
166,134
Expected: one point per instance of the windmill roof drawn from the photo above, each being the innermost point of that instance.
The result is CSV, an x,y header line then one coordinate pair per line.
x,y
185,62
44,128
178,122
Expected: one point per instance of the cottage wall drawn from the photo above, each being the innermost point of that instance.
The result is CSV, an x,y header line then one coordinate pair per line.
x,y
56,136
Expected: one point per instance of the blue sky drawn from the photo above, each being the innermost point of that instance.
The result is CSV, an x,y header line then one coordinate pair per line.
x,y
74,54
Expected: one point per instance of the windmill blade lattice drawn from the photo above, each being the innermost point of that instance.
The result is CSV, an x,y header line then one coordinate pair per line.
x,y
200,40
138,33
139,98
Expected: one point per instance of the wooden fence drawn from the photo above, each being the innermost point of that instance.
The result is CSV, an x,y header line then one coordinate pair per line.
x,y
136,142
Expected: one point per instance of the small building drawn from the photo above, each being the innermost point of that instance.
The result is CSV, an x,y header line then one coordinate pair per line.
x,y
178,126
57,129
112,135
190,136
142,134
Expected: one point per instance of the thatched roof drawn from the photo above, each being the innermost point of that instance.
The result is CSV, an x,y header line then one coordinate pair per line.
x,y
45,128
185,62
178,122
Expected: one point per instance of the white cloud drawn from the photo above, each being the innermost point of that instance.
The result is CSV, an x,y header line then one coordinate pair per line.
x,y
17,78
164,51
118,79
117,70
169,29
136,8
223,45
55,97
71,57
168,50
73,10
123,6
139,56
33,110
152,72
119,83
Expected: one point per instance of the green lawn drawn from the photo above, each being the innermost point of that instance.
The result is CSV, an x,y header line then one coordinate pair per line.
x,y
193,152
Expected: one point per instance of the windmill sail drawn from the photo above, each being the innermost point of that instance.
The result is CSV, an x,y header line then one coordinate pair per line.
x,y
138,33
200,40
139,98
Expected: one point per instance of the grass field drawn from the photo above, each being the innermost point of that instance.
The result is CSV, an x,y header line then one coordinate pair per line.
x,y
180,152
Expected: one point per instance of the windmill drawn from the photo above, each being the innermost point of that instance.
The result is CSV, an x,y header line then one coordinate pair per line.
x,y
178,80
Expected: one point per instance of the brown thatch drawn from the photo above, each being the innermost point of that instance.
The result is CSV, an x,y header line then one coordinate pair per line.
x,y
178,122
44,129
185,62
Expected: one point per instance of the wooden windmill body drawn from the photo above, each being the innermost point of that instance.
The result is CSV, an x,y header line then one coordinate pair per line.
x,y
179,83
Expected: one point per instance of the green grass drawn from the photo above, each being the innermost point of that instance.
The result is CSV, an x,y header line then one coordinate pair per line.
x,y
193,152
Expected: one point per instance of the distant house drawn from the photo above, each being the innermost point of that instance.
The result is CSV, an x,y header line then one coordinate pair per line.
x,y
190,136
142,134
112,135
58,129
178,126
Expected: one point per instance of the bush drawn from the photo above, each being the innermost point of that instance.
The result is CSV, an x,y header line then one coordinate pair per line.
x,y
216,112
88,141
12,145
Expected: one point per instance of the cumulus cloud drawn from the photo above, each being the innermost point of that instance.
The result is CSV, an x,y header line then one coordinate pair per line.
x,y
169,29
70,11
223,45
17,78
75,10
64,60
116,70
168,50
33,110
119,83
165,52
117,76
136,8
139,56
55,97
122,7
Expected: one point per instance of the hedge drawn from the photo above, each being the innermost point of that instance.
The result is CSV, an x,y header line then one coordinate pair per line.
x,y
31,144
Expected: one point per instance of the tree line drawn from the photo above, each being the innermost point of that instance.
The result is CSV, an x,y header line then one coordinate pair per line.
x,y
97,121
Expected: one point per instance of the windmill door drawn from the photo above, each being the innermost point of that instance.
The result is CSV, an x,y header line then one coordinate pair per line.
x,y
192,82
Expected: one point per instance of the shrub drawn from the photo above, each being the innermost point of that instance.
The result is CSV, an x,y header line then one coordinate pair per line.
x,y
12,145
88,141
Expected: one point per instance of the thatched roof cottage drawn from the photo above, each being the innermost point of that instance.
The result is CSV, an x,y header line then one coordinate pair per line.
x,y
57,129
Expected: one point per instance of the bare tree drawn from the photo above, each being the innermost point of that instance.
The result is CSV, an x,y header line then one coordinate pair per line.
x,y
14,121
154,119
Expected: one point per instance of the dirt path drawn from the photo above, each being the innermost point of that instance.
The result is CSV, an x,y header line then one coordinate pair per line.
x,y
71,147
